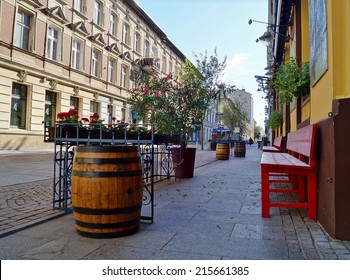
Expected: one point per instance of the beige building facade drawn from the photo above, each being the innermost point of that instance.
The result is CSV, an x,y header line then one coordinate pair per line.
x,y
57,55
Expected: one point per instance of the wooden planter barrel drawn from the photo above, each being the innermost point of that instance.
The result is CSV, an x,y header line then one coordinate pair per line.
x,y
222,151
106,190
239,149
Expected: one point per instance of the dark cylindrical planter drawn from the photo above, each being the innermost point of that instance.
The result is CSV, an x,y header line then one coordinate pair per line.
x,y
213,146
184,160
223,151
107,190
239,149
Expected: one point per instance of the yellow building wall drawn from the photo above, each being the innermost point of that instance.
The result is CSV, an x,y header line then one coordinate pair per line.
x,y
335,82
340,43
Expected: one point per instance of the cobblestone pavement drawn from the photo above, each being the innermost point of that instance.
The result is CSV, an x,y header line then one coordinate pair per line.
x,y
28,204
222,201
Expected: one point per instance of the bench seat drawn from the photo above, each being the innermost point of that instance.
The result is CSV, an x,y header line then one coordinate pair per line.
x,y
298,165
276,147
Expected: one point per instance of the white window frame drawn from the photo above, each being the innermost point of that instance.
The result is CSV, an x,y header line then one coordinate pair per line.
x,y
77,55
21,26
137,42
112,70
98,12
147,49
170,67
125,76
80,6
126,33
95,105
53,42
96,63
164,63
113,24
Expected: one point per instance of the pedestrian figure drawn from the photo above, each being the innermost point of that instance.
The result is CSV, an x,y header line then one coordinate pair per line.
x,y
251,141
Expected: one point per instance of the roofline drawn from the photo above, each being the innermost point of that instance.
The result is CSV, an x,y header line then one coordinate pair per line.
x,y
143,15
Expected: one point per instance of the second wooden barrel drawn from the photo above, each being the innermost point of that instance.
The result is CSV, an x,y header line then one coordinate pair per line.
x,y
106,190
239,149
223,151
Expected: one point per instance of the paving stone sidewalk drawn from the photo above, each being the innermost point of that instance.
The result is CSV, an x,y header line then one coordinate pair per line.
x,y
215,215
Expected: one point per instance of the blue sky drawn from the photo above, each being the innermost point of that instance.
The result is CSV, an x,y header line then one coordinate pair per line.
x,y
195,26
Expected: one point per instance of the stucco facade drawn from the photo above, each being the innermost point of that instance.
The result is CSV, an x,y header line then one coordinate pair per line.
x,y
81,54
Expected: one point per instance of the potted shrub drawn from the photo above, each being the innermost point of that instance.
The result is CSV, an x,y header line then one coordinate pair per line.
x,y
291,80
174,107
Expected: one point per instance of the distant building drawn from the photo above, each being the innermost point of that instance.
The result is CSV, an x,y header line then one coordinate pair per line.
x,y
246,100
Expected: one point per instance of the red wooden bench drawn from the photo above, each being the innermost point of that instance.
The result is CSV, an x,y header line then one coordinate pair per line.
x,y
276,146
297,163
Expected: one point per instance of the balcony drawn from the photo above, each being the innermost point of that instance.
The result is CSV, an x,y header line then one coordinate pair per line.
x,y
149,63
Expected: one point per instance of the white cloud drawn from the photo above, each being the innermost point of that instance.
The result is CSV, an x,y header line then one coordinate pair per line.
x,y
237,69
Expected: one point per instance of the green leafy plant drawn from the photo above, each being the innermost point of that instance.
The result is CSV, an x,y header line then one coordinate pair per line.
x,y
173,106
275,120
291,80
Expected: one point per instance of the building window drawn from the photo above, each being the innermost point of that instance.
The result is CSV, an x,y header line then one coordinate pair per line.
x,y
112,65
96,62
154,54
137,42
74,103
147,50
170,67
24,30
79,5
50,108
126,34
164,64
113,24
53,43
98,13
19,105
110,113
94,107
124,77
77,54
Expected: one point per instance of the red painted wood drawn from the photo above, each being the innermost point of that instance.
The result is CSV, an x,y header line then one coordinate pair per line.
x,y
297,164
276,146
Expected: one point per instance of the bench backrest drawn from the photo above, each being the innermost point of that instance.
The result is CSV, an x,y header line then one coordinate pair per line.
x,y
277,142
302,143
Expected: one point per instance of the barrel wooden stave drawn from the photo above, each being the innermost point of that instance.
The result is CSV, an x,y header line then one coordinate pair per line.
x,y
107,191
239,149
222,151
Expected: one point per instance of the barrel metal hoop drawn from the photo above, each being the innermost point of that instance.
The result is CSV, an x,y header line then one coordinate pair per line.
x,y
110,211
99,174
107,160
106,149
107,226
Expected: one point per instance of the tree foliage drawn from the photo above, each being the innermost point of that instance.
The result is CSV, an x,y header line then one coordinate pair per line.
x,y
234,115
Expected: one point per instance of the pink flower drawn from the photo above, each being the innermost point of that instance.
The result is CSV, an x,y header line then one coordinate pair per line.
x,y
146,91
219,85
167,77
156,94
166,107
183,105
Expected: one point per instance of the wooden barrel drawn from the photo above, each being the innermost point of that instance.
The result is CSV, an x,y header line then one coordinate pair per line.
x,y
222,151
239,149
106,190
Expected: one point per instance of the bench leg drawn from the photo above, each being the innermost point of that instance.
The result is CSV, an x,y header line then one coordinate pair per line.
x,y
265,194
312,196
301,188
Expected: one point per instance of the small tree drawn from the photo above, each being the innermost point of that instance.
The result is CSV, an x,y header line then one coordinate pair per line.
x,y
234,115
